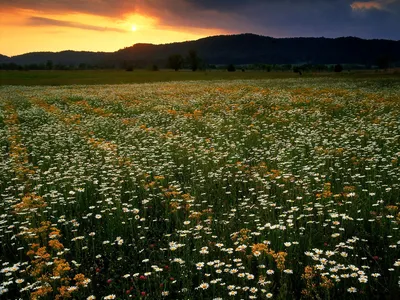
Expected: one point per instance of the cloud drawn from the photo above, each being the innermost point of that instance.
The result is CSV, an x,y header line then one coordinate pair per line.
x,y
110,8
379,5
330,18
40,21
366,5
280,18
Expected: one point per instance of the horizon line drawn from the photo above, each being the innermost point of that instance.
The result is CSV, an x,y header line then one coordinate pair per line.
x,y
219,35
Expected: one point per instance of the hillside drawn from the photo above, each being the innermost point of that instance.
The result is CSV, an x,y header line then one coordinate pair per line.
x,y
236,49
64,57
4,59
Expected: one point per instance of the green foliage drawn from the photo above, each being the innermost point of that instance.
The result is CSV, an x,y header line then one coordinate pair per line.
x,y
383,62
297,69
175,61
193,60
338,68
49,65
231,68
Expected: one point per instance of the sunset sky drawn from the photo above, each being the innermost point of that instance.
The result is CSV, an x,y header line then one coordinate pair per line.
x,y
109,25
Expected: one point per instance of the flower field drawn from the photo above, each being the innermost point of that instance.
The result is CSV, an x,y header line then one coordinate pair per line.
x,y
281,189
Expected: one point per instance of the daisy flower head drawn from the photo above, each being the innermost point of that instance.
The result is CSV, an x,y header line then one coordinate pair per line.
x,y
352,290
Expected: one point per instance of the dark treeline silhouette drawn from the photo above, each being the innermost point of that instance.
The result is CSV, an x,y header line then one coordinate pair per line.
x,y
242,49
47,66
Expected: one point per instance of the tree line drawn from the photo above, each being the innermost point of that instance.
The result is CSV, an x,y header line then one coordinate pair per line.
x,y
194,62
49,65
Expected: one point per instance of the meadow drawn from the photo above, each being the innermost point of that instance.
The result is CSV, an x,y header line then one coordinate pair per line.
x,y
246,189
90,77
80,77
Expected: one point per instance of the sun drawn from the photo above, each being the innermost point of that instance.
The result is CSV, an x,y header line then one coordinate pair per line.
x,y
133,28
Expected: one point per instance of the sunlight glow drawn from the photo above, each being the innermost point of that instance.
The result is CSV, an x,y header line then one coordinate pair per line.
x,y
32,30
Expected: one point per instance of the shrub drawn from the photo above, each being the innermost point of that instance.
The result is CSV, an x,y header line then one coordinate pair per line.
x,y
338,68
231,68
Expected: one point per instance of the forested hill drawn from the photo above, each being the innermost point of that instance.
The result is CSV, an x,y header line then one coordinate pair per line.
x,y
233,49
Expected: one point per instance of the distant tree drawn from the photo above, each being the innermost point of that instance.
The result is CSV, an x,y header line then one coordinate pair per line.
x,y
60,67
193,60
175,61
49,65
305,67
127,65
231,68
297,69
319,67
82,66
263,67
286,67
10,66
338,68
154,67
383,62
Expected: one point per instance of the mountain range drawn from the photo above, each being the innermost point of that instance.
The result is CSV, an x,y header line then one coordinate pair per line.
x,y
231,49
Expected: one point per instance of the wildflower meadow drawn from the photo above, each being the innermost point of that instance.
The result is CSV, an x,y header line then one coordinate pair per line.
x,y
246,189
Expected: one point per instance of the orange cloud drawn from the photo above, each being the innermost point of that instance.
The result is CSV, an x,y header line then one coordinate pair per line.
x,y
28,30
379,5
366,5
43,22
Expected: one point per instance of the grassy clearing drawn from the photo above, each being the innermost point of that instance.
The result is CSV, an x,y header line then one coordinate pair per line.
x,y
247,189
57,78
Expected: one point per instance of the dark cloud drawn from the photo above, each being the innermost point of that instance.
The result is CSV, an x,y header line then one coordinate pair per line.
x,y
39,21
330,18
224,5
112,8
321,18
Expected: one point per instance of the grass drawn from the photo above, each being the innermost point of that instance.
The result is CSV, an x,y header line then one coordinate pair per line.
x,y
140,76
245,189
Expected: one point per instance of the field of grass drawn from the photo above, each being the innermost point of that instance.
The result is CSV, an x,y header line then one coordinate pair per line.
x,y
142,76
245,189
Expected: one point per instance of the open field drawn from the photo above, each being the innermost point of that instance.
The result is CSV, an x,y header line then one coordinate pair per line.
x,y
246,189
142,76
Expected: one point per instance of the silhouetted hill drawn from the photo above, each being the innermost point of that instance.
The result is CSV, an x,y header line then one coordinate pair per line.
x,y
236,49
64,57
4,59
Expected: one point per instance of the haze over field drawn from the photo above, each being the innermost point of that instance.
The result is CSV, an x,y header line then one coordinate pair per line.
x,y
105,25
